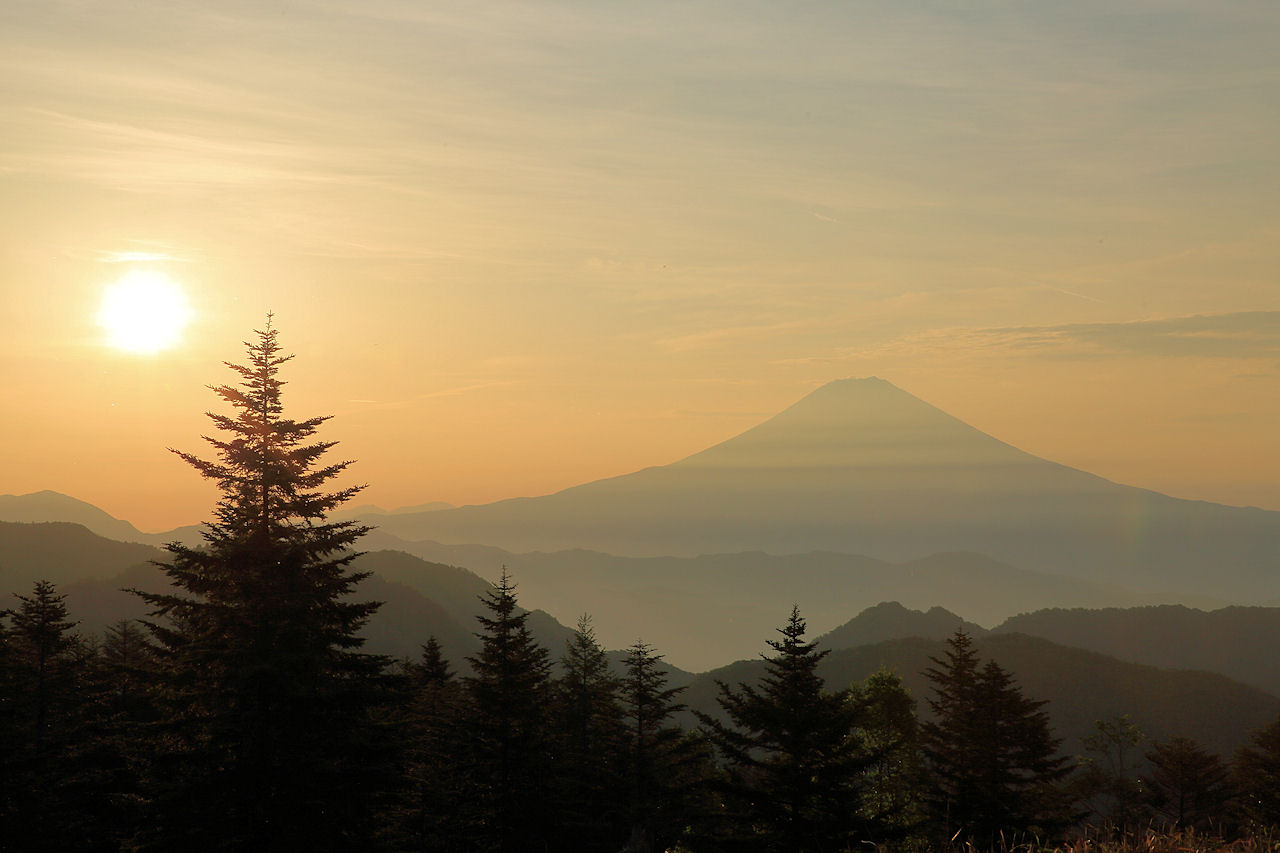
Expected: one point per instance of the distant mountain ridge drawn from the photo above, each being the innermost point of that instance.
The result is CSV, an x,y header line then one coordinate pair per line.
x,y
1237,642
889,620
47,505
423,598
1240,642
62,552
672,598
420,599
1080,686
862,467
54,506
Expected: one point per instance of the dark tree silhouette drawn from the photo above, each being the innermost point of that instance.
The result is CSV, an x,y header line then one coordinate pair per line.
x,y
45,711
507,730
268,741
1188,786
993,759
590,761
43,639
796,765
1108,779
890,734
666,770
432,816
1257,774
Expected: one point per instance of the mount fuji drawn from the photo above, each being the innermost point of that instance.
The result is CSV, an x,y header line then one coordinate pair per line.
x,y
860,466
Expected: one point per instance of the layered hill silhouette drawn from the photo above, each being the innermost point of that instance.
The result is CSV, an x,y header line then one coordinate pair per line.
x,y
62,552
420,599
714,608
424,598
1080,686
54,506
889,620
862,467
1239,642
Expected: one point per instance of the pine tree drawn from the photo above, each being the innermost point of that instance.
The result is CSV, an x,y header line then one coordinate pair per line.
x,y
951,741
45,668
1108,780
11,741
666,769
118,707
128,661
1257,774
1187,785
796,765
431,819
590,734
268,741
890,735
993,760
509,787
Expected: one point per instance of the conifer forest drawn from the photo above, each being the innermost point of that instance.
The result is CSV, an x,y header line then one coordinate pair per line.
x,y
244,714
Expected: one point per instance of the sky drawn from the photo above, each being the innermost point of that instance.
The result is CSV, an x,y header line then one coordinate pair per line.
x,y
517,246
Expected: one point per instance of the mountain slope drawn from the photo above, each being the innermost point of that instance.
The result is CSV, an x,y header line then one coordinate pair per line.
x,y
1080,686
860,466
420,598
702,611
53,506
889,620
62,552
1239,642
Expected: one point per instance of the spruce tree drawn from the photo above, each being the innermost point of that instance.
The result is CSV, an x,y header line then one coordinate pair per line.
x,y
796,764
1257,777
1107,782
666,769
1188,786
52,799
993,760
507,731
118,703
589,765
268,741
950,741
431,817
11,741
890,734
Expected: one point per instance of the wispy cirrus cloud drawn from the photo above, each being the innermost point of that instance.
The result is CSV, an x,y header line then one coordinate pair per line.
x,y
1241,334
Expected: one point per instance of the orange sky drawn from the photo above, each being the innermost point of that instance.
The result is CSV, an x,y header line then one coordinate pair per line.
x,y
518,246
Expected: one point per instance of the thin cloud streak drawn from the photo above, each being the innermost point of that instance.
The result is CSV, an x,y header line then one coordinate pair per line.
x,y
1237,335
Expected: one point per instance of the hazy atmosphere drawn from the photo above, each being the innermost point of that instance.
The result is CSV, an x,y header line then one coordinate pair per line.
x,y
701,427
521,246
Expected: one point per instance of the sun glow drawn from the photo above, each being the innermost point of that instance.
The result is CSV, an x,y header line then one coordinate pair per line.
x,y
145,311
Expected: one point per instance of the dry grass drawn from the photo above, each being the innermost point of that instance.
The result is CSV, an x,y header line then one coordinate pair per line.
x,y
1152,841
1144,841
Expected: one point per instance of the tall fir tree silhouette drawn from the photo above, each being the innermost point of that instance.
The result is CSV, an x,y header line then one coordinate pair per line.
x,y
1188,786
42,723
796,766
1257,776
993,759
267,742
667,770
591,789
510,786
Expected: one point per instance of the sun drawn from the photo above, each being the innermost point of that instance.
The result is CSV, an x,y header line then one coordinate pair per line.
x,y
145,311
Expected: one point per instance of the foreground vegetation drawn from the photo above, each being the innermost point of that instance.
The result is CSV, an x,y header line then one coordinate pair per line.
x,y
243,715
